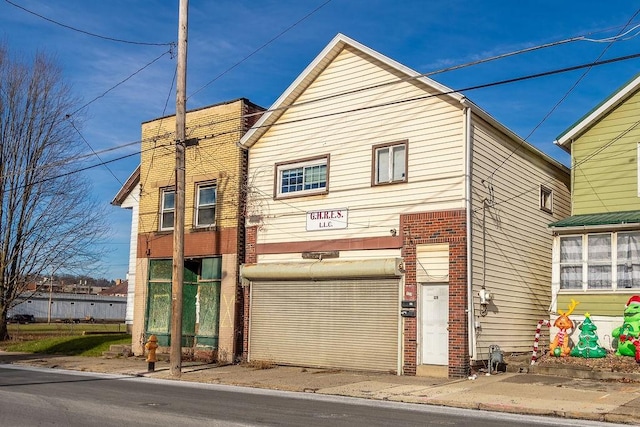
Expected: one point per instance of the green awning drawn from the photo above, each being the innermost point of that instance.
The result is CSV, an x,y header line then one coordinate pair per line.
x,y
609,218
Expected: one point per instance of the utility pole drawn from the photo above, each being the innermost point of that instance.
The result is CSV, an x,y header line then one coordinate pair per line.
x,y
175,355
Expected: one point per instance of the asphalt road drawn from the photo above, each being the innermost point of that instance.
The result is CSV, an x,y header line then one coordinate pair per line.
x,y
45,397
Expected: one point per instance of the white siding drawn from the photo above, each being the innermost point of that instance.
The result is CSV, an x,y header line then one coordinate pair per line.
x,y
518,242
433,128
132,202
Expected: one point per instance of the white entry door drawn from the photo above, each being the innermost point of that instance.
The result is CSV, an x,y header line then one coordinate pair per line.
x,y
434,322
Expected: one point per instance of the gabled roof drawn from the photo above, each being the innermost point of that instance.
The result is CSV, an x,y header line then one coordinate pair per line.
x,y
328,54
565,139
324,58
127,188
599,219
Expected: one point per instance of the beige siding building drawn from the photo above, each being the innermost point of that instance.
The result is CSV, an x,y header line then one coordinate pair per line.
x,y
380,204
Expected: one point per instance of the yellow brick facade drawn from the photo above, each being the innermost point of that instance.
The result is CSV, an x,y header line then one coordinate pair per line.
x,y
216,158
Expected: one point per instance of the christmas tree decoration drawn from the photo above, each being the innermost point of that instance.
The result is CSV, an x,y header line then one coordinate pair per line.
x,y
587,345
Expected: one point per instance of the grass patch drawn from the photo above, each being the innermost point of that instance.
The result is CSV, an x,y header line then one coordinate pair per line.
x,y
87,345
66,339
60,329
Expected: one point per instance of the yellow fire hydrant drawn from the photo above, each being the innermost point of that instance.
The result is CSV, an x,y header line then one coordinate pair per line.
x,y
151,347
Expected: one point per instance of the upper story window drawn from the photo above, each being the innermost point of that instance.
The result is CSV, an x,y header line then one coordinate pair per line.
x,y
167,208
546,199
600,261
302,177
206,205
390,163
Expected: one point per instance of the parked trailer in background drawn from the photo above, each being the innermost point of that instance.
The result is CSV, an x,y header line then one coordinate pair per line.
x,y
67,307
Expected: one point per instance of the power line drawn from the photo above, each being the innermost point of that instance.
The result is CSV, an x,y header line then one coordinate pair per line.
x,y
119,83
261,47
577,165
419,98
86,32
430,73
610,41
395,102
94,153
51,178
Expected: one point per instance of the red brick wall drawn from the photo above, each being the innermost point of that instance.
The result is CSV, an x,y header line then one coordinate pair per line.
x,y
199,243
428,228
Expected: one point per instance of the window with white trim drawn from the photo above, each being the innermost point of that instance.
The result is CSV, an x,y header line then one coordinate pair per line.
x,y
206,205
628,260
600,261
167,208
571,262
546,199
301,178
390,163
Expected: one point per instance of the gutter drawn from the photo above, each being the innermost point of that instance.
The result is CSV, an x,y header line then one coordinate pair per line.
x,y
468,161
604,227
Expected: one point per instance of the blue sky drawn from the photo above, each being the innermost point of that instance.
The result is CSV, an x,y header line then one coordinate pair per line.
x,y
255,49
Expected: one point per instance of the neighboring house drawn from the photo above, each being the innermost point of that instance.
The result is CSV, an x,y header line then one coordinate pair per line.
x,y
120,289
213,236
381,206
129,198
596,251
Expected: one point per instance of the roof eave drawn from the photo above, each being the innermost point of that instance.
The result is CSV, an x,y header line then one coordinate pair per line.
x,y
565,138
599,227
313,69
127,188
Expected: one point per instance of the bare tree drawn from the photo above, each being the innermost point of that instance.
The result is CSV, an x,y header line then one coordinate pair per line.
x,y
48,217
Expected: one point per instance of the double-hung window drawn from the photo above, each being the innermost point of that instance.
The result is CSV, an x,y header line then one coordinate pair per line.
x,y
303,177
390,163
206,205
628,260
546,199
571,262
167,208
599,261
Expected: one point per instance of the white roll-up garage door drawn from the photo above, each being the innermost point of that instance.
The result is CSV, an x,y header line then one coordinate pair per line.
x,y
350,324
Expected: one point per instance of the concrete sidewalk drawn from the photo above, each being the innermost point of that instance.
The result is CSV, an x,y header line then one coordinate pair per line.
x,y
611,400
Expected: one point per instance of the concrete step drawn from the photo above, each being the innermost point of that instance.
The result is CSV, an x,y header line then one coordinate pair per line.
x,y
118,350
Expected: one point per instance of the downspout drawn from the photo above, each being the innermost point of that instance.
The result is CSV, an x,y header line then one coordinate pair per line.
x,y
468,186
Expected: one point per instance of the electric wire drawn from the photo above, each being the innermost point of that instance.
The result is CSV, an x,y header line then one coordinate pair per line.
x,y
264,45
610,41
440,94
413,99
86,32
95,154
119,83
418,76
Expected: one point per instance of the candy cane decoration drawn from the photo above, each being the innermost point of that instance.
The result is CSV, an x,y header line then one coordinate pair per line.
x,y
534,356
